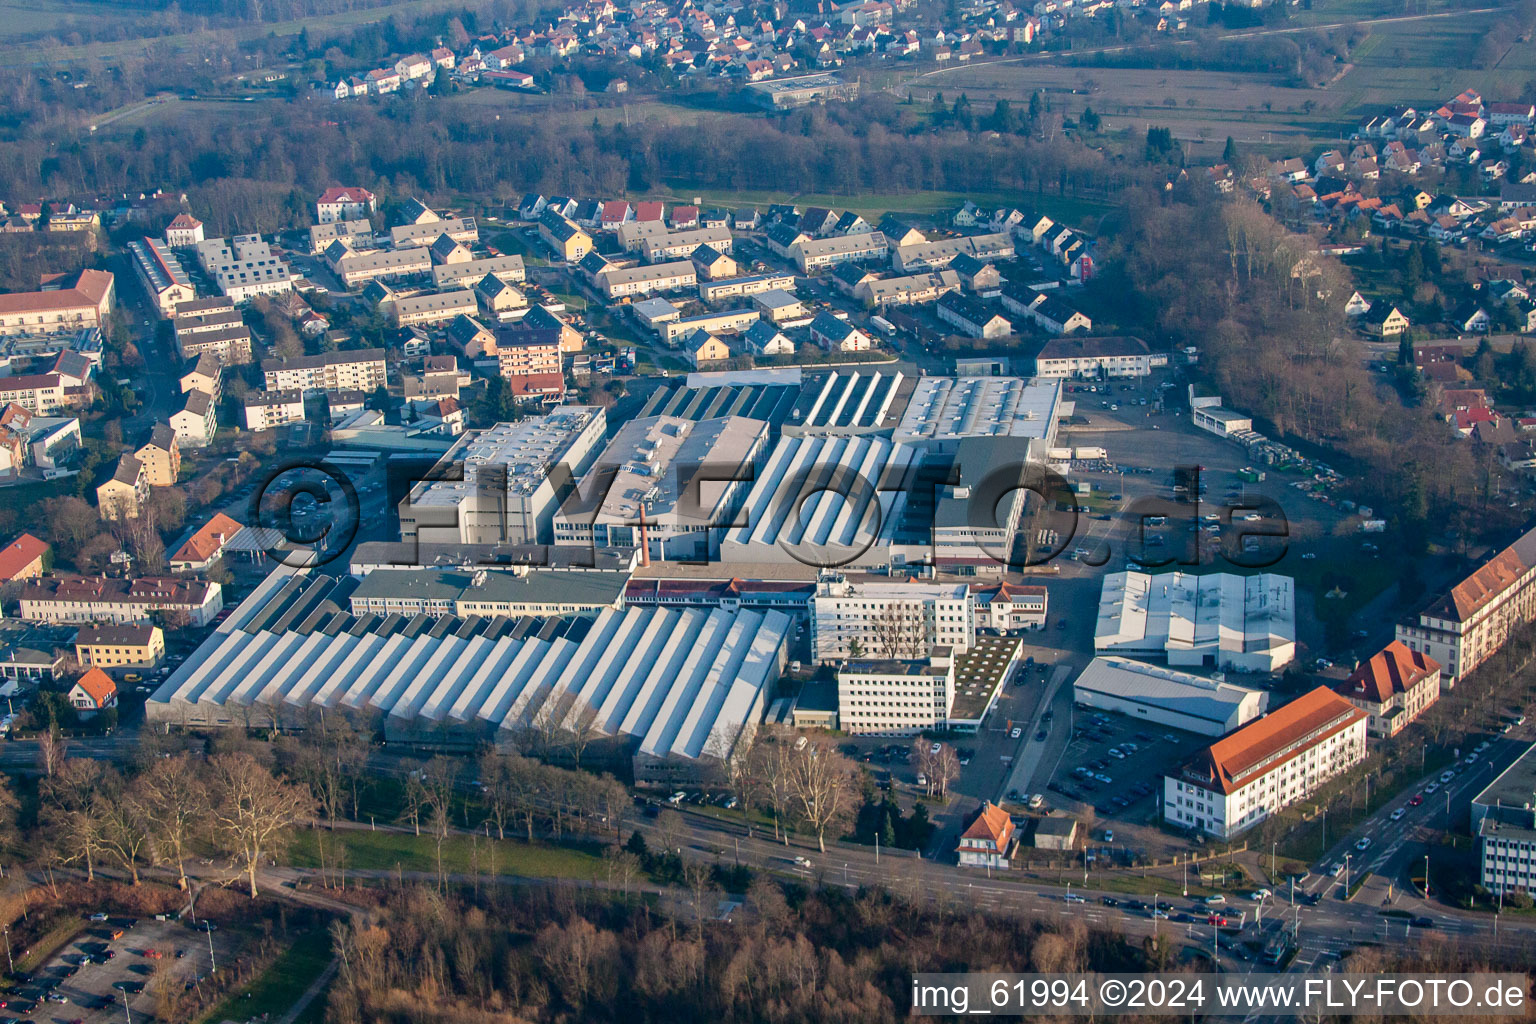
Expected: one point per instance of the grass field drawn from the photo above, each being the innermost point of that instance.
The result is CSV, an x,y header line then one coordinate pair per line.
x,y
43,14
1202,108
1423,62
25,18
386,851
275,992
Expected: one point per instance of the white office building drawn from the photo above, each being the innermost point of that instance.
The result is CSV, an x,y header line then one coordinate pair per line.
x,y
244,266
1504,820
1265,766
854,619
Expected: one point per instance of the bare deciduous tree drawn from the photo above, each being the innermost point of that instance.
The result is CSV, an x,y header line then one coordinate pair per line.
x,y
820,780
253,810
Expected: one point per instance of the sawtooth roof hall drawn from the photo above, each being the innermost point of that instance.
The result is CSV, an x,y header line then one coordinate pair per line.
x,y
673,689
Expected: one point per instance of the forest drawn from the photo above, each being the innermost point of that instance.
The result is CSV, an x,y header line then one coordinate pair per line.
x,y
264,178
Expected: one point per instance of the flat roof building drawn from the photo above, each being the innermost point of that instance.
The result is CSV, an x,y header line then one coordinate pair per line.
x,y
685,479
1167,697
1219,620
485,590
871,618
503,485
1504,820
945,409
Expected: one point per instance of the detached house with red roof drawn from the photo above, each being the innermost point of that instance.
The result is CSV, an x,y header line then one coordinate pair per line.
x,y
24,558
205,546
1393,687
1269,764
95,691
989,840
1466,626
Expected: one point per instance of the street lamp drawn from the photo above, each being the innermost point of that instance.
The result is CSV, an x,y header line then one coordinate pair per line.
x,y
1346,876
1426,876
8,960
1272,847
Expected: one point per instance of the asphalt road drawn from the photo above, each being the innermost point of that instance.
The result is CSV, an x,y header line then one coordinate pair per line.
x,y
1330,926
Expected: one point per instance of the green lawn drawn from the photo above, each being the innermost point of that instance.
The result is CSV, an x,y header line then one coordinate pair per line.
x,y
284,982
385,851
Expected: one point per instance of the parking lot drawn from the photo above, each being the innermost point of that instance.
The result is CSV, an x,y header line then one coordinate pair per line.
x,y
1116,765
116,960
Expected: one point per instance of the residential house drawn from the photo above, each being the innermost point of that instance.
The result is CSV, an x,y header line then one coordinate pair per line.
x,y
1471,318
764,339
344,204
24,558
263,410
161,456
568,241
1356,305
972,318
351,369
131,646
123,494
93,692
102,599
184,230
1393,687
988,841
838,335
206,545
700,347
196,422
88,303
712,264
1384,320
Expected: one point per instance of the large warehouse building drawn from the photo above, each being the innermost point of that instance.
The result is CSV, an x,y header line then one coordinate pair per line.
x,y
1167,697
944,409
673,689
822,501
503,485
1245,623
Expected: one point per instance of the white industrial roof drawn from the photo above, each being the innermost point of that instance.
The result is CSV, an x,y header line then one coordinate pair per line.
x,y
1221,703
821,494
943,408
1182,614
525,450
680,683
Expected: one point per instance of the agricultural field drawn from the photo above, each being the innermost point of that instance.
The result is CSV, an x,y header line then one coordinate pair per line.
x,y
1201,107
1430,60
21,19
